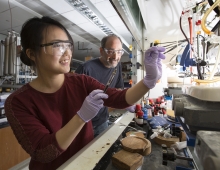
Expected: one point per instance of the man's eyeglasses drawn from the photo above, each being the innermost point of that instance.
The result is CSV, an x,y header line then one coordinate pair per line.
x,y
112,52
57,48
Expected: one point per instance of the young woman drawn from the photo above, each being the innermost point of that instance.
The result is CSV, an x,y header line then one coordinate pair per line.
x,y
50,116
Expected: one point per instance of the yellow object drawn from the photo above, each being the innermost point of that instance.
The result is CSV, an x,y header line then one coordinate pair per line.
x,y
170,113
88,58
205,17
206,81
198,32
130,47
156,42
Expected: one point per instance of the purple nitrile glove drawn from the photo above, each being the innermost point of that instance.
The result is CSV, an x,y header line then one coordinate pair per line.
x,y
153,65
131,108
92,104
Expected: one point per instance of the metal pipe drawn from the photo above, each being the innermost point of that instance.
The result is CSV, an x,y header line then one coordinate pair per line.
x,y
12,54
2,52
6,57
14,86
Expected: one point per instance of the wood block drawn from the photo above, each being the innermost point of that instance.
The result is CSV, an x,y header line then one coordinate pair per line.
x,y
136,144
167,141
183,136
170,113
124,160
135,133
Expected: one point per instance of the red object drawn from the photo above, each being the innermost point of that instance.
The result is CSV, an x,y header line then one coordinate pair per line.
x,y
140,114
164,111
138,108
158,100
138,111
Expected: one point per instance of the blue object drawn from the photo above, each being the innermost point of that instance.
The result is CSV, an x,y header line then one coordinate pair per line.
x,y
145,117
190,162
130,55
186,61
168,97
185,56
2,104
178,58
148,106
191,138
160,121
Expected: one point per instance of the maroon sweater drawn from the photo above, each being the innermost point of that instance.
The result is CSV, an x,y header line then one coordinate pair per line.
x,y
35,117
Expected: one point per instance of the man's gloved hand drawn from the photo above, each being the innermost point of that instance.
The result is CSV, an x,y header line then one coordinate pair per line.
x,y
153,65
92,104
131,108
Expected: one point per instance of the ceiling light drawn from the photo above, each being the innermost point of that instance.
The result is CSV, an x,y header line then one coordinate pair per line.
x,y
88,13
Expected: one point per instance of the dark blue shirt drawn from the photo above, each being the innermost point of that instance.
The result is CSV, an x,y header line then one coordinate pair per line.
x,y
97,70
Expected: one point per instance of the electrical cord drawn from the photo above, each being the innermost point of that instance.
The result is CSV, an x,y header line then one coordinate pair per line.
x,y
172,48
168,46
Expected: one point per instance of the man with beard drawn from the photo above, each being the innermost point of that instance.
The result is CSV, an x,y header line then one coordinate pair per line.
x,y
101,69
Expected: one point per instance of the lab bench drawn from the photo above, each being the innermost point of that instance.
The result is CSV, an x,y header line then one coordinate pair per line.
x,y
97,154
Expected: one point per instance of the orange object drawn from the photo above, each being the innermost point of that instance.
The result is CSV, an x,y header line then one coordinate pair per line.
x,y
130,82
151,101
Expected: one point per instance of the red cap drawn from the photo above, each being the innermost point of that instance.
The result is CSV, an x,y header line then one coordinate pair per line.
x,y
140,113
138,107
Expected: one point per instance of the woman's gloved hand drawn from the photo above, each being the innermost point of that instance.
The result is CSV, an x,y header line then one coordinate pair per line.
x,y
153,65
131,108
92,104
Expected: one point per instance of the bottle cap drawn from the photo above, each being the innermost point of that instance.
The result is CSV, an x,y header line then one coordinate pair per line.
x,y
138,107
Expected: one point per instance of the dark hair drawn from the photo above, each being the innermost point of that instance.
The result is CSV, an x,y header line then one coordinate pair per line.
x,y
32,35
104,39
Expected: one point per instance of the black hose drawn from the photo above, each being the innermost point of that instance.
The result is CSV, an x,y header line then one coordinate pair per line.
x,y
200,76
172,48
180,23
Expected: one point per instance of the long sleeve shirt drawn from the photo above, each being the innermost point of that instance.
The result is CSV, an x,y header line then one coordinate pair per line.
x,y
35,117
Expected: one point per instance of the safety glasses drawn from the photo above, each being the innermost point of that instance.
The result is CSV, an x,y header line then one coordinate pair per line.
x,y
113,52
57,48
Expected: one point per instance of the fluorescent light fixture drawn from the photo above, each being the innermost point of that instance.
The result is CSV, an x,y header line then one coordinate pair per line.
x,y
88,13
